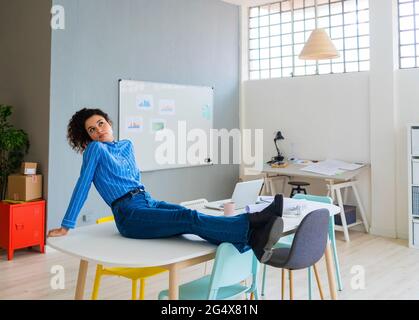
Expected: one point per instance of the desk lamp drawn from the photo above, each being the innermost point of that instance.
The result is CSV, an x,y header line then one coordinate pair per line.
x,y
279,158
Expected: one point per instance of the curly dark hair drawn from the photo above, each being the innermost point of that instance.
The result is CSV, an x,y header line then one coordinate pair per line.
x,y
77,136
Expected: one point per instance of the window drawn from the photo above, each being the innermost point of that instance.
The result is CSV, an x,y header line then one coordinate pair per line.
x,y
278,32
409,33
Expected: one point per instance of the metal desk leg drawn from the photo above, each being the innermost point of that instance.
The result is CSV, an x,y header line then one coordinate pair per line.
x,y
81,280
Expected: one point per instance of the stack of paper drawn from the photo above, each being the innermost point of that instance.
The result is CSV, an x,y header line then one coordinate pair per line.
x,y
331,167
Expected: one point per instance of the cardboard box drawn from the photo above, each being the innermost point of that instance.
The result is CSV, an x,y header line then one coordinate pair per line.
x,y
28,168
24,187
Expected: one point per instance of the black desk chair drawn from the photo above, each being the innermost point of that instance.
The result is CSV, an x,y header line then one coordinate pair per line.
x,y
298,187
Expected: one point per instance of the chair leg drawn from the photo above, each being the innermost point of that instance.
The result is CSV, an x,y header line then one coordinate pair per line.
x,y
310,291
316,273
134,290
332,237
283,284
263,280
142,288
291,285
96,285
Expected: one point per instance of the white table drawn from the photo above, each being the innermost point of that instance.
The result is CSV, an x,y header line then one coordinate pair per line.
x,y
102,244
334,183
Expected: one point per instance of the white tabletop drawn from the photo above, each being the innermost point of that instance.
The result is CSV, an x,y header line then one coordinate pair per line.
x,y
293,169
103,244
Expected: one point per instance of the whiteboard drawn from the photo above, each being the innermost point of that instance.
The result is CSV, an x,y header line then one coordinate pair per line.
x,y
173,113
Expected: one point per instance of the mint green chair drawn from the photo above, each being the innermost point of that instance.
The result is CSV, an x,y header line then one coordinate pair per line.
x,y
286,242
231,269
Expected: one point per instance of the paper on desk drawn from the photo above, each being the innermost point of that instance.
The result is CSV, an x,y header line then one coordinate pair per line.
x,y
323,168
292,207
343,165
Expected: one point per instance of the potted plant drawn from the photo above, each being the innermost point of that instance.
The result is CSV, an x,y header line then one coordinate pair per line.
x,y
14,144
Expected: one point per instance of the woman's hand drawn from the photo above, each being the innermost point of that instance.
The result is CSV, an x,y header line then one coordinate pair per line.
x,y
58,232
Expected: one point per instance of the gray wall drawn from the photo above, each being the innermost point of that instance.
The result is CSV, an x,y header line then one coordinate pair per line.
x,y
177,41
25,57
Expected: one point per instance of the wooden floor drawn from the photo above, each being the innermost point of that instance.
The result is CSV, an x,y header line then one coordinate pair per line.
x,y
391,272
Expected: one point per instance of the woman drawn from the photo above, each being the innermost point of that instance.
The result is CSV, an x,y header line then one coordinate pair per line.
x,y
111,166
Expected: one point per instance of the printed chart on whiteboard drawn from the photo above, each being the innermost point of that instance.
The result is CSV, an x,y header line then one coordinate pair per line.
x,y
169,124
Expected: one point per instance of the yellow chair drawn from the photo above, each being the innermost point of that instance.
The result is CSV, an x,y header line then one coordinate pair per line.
x,y
134,274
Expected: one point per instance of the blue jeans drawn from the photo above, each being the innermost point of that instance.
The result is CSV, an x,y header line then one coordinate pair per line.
x,y
141,217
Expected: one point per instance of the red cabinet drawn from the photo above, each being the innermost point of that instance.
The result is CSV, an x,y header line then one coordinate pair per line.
x,y
22,225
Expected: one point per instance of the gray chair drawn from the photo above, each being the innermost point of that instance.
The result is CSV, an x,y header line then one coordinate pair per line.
x,y
307,249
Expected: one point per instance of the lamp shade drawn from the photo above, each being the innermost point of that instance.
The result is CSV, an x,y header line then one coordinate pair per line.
x,y
319,47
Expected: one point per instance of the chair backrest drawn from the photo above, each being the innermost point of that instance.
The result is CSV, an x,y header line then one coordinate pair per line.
x,y
232,267
310,240
310,197
105,219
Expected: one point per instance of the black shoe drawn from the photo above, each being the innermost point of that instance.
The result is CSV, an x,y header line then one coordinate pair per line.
x,y
264,238
259,219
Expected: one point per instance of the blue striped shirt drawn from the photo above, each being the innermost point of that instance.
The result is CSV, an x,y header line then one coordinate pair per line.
x,y
112,169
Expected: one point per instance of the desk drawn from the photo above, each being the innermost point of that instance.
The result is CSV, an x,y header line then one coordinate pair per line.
x,y
334,183
102,244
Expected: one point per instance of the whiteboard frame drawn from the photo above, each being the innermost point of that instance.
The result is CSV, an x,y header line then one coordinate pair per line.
x,y
174,84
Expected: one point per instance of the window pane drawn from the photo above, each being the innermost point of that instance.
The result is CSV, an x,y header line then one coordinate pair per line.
x,y
351,55
299,37
407,51
286,39
364,54
336,20
364,29
352,67
264,21
310,24
336,32
323,22
349,5
336,8
407,37
275,19
363,4
254,12
275,41
287,51
323,10
364,41
351,31
264,74
351,43
264,42
254,23
254,44
286,17
254,75
264,53
264,10
254,65
264,32
337,68
275,73
264,64
310,13
286,28
253,33
275,52
275,30
275,63
325,69
275,8
407,23
254,54
298,26
406,9
298,14
350,18
407,62
363,16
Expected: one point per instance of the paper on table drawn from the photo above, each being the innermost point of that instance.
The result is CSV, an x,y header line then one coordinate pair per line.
x,y
292,207
323,168
344,165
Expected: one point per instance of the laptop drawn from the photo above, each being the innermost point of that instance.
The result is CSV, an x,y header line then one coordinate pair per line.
x,y
245,193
